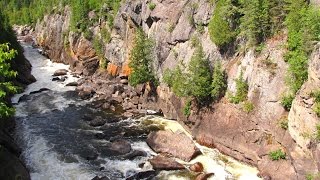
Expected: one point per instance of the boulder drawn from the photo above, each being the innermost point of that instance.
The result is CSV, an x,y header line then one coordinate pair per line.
x,y
204,176
72,84
122,146
60,72
11,166
55,79
100,178
92,156
177,144
196,167
124,81
24,98
39,91
164,163
134,154
143,175
99,121
116,148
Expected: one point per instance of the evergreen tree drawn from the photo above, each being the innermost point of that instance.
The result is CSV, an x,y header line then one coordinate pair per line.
x,y
200,75
141,60
241,90
223,24
219,84
256,21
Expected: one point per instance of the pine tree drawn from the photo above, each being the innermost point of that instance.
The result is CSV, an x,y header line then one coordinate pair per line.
x,y
141,60
200,75
255,22
241,90
223,24
218,84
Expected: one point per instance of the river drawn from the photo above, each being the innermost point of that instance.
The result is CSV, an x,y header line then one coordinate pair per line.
x,y
58,143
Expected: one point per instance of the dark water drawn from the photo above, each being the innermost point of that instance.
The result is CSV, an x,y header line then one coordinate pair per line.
x,y
58,142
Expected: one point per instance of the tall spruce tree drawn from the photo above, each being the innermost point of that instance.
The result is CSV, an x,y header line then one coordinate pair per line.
x,y
224,22
256,21
219,84
141,60
200,75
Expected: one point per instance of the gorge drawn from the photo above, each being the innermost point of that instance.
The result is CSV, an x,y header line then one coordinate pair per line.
x,y
250,131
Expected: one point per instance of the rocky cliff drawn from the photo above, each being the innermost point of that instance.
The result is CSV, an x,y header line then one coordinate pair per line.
x,y
247,136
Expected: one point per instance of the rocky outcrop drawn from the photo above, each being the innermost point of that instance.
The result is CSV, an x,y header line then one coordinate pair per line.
x,y
303,120
53,36
178,145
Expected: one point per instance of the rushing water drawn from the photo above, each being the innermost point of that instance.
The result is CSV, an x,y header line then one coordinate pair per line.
x,y
57,141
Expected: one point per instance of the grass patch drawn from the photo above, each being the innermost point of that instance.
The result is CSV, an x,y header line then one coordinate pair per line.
x,y
247,106
286,101
283,123
152,6
187,109
277,155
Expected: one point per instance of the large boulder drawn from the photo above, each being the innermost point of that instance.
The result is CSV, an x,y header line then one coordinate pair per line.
x,y
177,144
60,72
164,163
99,121
11,166
116,148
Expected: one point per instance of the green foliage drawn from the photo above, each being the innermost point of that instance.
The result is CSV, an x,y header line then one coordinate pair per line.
x,y
106,35
253,20
241,90
222,26
200,75
187,109
277,155
286,101
302,34
171,27
200,28
316,95
318,132
312,176
196,82
247,106
152,6
219,82
195,41
177,80
256,21
141,60
316,108
6,74
283,123
30,11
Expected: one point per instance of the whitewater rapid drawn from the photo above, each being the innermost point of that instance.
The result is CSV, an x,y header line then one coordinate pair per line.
x,y
56,141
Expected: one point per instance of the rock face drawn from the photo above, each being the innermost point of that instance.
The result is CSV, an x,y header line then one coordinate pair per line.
x,y
53,36
177,144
